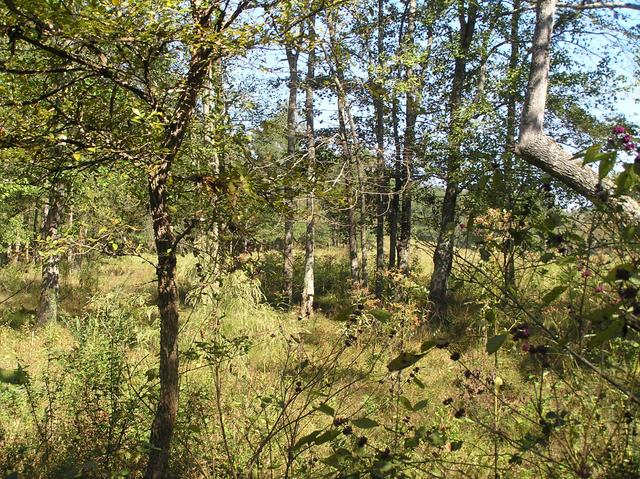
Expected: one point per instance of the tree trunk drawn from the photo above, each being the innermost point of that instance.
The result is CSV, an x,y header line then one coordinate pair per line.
x,y
349,144
309,262
443,254
213,108
50,286
292,60
408,151
165,417
164,420
540,150
514,57
394,210
381,173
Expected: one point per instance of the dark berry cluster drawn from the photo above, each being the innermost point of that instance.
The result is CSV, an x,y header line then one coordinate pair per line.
x,y
520,331
624,140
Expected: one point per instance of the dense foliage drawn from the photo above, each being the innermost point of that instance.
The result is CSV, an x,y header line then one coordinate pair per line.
x,y
319,239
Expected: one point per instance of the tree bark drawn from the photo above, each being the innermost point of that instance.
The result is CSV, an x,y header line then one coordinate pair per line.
x,y
443,254
213,108
309,263
50,286
394,210
514,57
349,143
292,60
540,150
382,199
408,150
164,420
168,299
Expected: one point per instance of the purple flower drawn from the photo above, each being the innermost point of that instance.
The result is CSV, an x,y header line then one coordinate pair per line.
x,y
626,138
630,146
618,129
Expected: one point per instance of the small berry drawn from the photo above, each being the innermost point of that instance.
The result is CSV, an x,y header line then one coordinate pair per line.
x,y
455,356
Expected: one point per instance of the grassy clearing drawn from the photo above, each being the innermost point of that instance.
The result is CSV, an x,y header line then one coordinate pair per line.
x,y
256,382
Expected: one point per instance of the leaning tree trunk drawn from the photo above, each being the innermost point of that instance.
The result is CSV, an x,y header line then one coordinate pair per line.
x,y
292,59
309,262
50,286
540,150
443,254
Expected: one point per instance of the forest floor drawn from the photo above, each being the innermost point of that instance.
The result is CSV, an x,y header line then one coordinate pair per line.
x,y
256,380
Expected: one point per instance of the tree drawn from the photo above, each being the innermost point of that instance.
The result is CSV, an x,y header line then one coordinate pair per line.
x,y
540,150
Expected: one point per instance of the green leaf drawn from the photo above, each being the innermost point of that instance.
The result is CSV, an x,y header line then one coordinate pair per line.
x,y
545,258
436,439
403,361
456,445
14,376
496,342
325,408
381,315
553,294
364,423
602,314
428,345
614,329
308,439
591,155
327,436
406,403
607,162
420,405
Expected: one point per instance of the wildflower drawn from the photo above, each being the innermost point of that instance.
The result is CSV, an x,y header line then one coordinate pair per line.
x,y
630,146
600,288
587,273
618,129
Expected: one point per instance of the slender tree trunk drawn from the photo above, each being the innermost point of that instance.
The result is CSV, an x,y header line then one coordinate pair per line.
x,y
409,145
540,150
213,108
164,420
71,252
514,57
382,198
292,59
443,254
394,210
309,287
349,144
168,300
50,286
